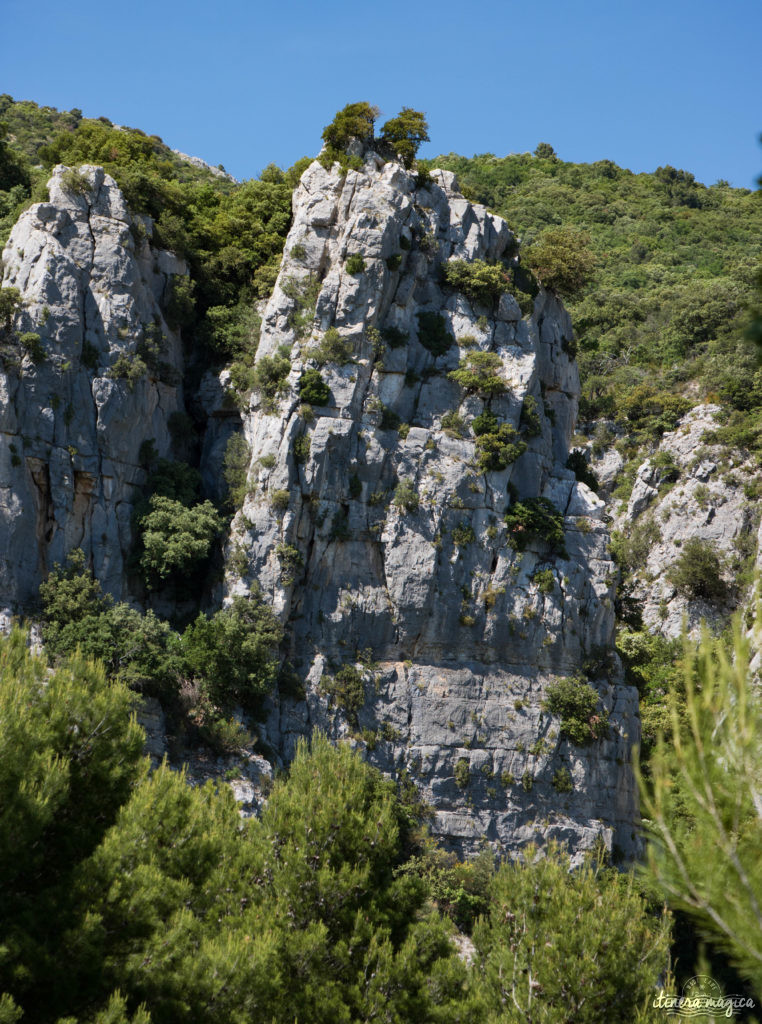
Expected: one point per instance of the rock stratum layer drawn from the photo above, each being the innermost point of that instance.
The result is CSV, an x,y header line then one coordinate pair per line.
x,y
453,634
463,635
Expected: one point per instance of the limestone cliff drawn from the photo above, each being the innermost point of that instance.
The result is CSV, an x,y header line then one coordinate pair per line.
x,y
456,634
373,523
73,419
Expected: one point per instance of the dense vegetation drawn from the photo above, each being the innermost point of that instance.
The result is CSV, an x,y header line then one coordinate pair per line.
x,y
661,304
130,896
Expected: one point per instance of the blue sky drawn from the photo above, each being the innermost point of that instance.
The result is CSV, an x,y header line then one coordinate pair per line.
x,y
641,83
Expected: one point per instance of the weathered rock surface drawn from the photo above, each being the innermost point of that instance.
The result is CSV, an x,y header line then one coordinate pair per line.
x,y
72,430
689,488
458,638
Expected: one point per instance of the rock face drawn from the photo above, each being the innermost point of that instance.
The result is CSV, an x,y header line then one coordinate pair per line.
x,y
689,488
379,539
105,381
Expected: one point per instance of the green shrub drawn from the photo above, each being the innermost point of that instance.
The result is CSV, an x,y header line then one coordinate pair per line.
x,y
76,182
535,519
485,423
576,702
301,449
279,500
406,496
355,264
271,376
405,133
433,333
497,450
233,652
563,260
291,563
579,465
393,262
354,121
462,772
235,466
531,422
345,690
545,580
394,337
454,425
10,305
128,367
332,349
267,461
313,389
304,295
479,373
32,343
176,539
562,781
696,573
463,535
479,281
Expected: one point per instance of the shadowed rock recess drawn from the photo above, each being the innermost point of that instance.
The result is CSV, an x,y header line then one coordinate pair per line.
x,y
421,624
374,529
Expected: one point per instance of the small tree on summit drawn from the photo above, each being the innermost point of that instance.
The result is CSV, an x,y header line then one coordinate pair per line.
x,y
355,121
405,133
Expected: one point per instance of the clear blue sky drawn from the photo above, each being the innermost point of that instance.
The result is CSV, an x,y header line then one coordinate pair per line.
x,y
640,82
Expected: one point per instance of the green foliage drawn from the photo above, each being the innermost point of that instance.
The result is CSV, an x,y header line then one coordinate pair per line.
x,y
576,702
32,343
355,264
131,368
497,449
10,305
301,448
232,654
454,425
562,781
235,467
406,496
479,281
544,917
140,650
579,465
545,580
702,813
530,422
544,151
405,133
479,373
395,337
345,690
463,535
332,349
176,539
563,260
313,389
433,333
271,376
69,758
354,121
75,182
279,500
697,571
462,772
291,563
535,519
460,889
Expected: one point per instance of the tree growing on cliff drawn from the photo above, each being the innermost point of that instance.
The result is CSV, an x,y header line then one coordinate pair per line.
x,y
405,133
563,260
355,121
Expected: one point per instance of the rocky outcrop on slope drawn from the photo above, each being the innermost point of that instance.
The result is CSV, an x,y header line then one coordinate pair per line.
x,y
103,381
687,488
379,538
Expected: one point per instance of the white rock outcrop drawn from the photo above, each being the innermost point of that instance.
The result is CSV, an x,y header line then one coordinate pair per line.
x,y
459,633
71,426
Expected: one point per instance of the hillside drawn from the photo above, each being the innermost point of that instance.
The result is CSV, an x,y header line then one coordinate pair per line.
x,y
423,464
